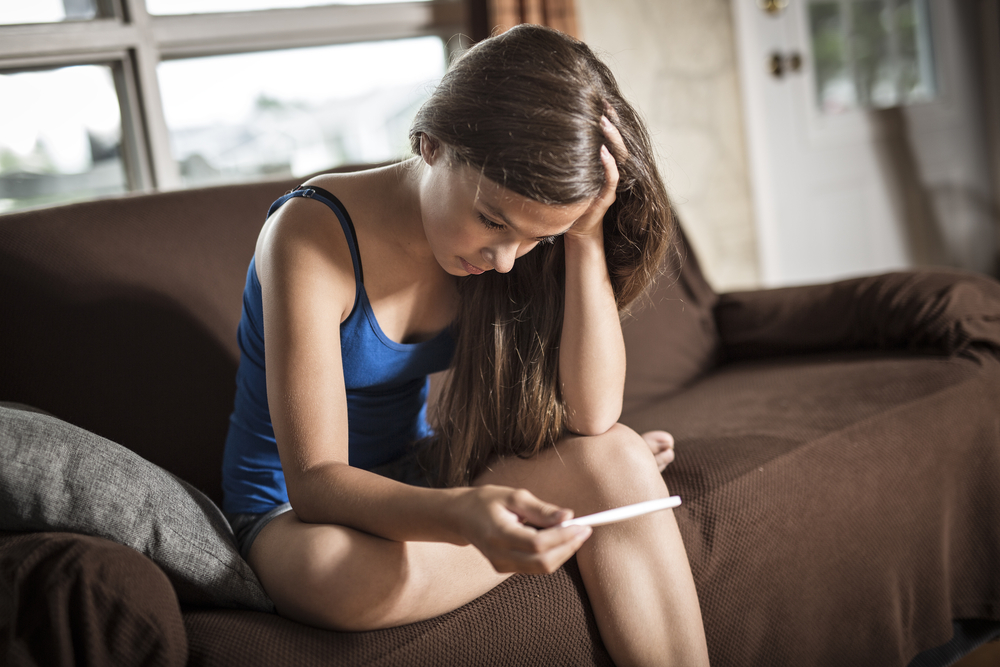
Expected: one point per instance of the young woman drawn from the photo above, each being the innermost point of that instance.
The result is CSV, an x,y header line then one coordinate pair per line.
x,y
531,215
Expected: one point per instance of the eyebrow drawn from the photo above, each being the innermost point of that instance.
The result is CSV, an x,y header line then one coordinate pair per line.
x,y
497,213
494,211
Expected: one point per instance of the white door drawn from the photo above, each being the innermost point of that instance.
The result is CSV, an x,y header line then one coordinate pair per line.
x,y
835,194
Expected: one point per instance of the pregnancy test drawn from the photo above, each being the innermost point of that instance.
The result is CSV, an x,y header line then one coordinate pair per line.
x,y
625,512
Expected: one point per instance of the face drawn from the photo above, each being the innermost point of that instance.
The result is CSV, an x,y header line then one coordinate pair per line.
x,y
474,225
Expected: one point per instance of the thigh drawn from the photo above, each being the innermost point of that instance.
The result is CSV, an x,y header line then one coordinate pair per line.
x,y
344,579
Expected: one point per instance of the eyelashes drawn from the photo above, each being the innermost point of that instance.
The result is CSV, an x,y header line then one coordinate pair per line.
x,y
489,224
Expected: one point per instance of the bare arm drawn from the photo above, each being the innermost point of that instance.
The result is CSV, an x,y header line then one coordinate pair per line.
x,y
308,288
592,350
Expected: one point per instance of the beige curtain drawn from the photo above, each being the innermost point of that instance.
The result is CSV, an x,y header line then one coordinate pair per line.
x,y
558,14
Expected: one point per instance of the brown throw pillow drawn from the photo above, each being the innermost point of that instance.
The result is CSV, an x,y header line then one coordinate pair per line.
x,y
76,600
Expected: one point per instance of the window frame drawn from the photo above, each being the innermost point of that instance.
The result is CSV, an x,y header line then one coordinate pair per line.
x,y
133,42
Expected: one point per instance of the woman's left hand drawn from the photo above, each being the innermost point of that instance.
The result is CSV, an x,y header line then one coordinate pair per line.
x,y
591,223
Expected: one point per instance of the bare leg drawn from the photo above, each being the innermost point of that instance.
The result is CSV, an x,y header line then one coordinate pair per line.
x,y
636,572
344,579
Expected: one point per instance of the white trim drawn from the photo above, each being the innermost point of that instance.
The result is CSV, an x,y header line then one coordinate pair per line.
x,y
135,152
751,61
146,56
216,34
19,42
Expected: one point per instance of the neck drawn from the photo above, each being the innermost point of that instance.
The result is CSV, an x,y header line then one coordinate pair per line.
x,y
404,209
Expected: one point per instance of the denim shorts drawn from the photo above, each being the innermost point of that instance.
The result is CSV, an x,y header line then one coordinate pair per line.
x,y
409,469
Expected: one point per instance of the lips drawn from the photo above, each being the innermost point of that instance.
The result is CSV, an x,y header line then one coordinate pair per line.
x,y
474,270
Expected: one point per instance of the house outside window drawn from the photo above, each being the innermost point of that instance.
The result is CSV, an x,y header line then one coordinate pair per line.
x,y
99,97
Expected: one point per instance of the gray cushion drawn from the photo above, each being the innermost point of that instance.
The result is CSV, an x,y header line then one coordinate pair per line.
x,y
57,477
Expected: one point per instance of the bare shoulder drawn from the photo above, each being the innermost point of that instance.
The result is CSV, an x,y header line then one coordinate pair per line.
x,y
366,194
303,246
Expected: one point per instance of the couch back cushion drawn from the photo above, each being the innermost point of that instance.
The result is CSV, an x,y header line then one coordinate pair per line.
x,y
670,336
120,317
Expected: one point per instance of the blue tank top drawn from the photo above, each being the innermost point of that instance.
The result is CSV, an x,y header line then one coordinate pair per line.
x,y
387,384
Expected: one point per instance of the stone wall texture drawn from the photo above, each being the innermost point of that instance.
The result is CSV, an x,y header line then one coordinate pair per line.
x,y
676,62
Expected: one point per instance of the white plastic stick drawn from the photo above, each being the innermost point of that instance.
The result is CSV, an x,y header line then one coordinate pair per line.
x,y
622,513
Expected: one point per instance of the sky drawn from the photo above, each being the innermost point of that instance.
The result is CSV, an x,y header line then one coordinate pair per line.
x,y
224,88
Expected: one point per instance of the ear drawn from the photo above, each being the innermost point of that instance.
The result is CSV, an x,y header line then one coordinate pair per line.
x,y
431,150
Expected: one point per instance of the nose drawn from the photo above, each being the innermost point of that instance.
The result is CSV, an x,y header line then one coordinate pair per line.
x,y
501,257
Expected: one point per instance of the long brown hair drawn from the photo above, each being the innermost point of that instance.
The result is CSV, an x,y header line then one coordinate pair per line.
x,y
524,108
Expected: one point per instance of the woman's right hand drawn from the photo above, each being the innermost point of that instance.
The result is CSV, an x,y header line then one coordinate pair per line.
x,y
516,531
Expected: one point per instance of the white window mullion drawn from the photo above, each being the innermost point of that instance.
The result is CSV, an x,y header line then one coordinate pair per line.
x,y
147,114
135,146
69,39
217,34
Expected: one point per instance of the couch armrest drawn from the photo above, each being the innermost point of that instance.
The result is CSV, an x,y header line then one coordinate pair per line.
x,y
69,599
937,311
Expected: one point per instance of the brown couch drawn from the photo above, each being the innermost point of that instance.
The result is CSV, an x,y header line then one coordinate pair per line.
x,y
838,455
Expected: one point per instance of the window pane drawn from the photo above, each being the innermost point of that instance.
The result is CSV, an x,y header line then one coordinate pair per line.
x,y
296,112
163,7
871,53
62,139
834,80
46,11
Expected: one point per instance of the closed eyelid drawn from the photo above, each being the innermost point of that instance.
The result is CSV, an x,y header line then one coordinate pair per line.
x,y
499,226
490,224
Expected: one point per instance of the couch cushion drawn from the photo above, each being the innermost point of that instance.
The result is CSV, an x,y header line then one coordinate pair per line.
x,y
77,601
936,311
125,314
526,621
57,477
838,509
670,336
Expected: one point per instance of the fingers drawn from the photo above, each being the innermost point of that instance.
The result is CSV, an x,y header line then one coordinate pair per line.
x,y
546,552
614,138
611,175
533,511
564,543
590,223
517,546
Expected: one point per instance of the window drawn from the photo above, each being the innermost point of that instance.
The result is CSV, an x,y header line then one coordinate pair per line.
x,y
62,140
871,53
13,12
105,96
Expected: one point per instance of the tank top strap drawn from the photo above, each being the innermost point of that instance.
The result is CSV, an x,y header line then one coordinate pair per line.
x,y
328,198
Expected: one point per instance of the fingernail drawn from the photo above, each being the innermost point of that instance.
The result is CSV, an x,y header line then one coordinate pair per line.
x,y
605,122
604,151
583,531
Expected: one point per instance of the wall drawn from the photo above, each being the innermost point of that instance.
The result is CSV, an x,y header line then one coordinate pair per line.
x,y
676,62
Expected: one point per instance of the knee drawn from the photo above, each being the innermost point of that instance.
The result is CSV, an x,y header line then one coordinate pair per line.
x,y
620,465
619,448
